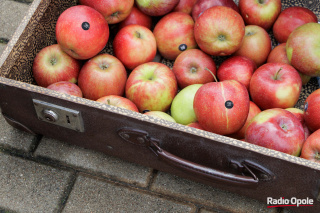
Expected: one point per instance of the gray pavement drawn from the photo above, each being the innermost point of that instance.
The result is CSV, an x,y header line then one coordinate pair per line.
x,y
39,174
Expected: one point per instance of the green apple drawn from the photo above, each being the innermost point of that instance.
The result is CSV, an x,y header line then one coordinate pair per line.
x,y
182,105
161,115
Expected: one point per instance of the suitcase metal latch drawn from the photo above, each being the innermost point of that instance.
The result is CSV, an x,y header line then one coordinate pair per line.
x,y
58,115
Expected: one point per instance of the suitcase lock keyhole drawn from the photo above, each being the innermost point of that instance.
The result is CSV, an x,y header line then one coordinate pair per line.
x,y
50,115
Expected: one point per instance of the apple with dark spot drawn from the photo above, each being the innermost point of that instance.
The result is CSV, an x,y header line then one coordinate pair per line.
x,y
66,87
222,107
82,32
118,101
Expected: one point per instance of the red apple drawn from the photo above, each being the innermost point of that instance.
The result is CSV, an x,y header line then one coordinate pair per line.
x,y
222,107
134,45
67,88
276,129
219,31
161,115
202,5
260,12
52,64
253,111
289,19
174,34
275,85
302,49
136,17
185,6
193,66
151,86
114,11
312,111
156,7
102,75
82,32
195,125
256,44
279,54
118,101
311,147
238,68
299,113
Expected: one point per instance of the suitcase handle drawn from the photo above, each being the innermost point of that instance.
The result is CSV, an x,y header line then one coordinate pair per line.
x,y
204,172
252,173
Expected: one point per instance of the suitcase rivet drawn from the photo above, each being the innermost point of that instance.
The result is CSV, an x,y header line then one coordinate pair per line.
x,y
140,140
126,136
233,166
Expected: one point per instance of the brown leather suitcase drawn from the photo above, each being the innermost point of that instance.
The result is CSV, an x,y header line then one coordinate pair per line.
x,y
202,156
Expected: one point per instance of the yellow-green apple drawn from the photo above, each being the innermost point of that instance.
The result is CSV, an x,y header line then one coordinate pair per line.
x,y
256,44
302,49
113,11
291,18
276,129
193,66
52,64
66,87
253,111
275,85
279,54
202,5
136,17
151,86
102,75
311,147
312,111
299,113
161,115
195,125
82,32
260,12
239,68
185,6
222,107
219,31
134,45
156,7
174,34
182,105
118,101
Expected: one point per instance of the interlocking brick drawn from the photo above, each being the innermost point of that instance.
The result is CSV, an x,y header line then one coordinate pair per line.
x,y
94,162
12,13
212,197
93,195
27,186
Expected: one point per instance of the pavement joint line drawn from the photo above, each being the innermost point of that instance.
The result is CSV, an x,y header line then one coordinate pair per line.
x,y
67,191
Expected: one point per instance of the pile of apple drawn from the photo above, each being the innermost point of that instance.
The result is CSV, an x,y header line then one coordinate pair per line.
x,y
250,96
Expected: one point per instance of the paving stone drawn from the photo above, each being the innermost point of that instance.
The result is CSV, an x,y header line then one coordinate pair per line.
x,y
2,47
13,11
12,138
93,195
94,162
27,186
212,197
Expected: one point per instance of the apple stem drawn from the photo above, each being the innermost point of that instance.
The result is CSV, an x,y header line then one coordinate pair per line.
x,y
108,101
215,78
276,76
138,34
